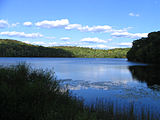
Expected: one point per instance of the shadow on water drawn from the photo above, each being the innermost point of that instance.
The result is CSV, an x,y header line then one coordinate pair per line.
x,y
148,74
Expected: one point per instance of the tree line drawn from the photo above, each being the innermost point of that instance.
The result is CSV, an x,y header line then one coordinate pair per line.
x,y
14,48
146,50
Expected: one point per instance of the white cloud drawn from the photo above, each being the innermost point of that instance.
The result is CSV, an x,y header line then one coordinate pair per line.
x,y
39,43
50,38
93,40
109,40
104,28
28,42
28,24
98,28
46,44
125,44
121,30
64,23
3,24
133,14
73,26
65,38
100,46
129,35
21,34
14,24
52,44
78,44
53,24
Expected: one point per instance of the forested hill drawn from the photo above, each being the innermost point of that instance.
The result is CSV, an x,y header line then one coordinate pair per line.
x,y
146,50
14,48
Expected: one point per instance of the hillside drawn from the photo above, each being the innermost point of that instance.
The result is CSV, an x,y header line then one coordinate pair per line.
x,y
14,48
95,53
146,50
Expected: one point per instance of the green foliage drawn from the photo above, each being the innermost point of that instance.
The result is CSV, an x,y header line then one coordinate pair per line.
x,y
13,48
95,53
146,50
27,94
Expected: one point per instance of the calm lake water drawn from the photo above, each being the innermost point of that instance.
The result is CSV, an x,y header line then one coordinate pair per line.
x,y
110,79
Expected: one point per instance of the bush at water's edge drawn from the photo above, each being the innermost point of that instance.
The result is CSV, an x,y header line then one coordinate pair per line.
x,y
28,94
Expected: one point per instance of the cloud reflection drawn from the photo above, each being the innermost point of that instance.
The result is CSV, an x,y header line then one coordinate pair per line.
x,y
123,89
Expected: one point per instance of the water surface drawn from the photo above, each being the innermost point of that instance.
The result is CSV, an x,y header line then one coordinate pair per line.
x,y
111,79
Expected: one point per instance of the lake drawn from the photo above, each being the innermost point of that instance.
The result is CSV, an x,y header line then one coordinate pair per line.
x,y
110,79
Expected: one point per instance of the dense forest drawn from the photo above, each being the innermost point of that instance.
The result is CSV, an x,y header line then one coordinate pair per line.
x,y
14,48
95,53
146,50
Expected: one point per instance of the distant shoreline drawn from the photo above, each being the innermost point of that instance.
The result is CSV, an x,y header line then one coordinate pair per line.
x,y
14,48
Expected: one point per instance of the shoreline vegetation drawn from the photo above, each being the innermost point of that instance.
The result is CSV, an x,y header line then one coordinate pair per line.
x,y
146,50
35,94
14,48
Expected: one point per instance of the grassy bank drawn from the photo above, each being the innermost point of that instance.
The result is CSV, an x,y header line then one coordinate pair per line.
x,y
31,94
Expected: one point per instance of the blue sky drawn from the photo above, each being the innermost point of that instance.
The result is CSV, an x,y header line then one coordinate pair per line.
x,y
103,24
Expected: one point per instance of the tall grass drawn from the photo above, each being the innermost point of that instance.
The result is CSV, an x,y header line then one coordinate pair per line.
x,y
31,94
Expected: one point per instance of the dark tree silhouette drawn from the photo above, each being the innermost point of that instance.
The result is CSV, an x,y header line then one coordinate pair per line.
x,y
148,74
146,50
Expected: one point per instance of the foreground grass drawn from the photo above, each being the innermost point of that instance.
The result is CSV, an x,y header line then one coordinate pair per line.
x,y
29,94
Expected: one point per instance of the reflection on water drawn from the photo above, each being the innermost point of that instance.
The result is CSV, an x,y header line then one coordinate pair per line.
x,y
119,89
140,94
148,74
104,78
